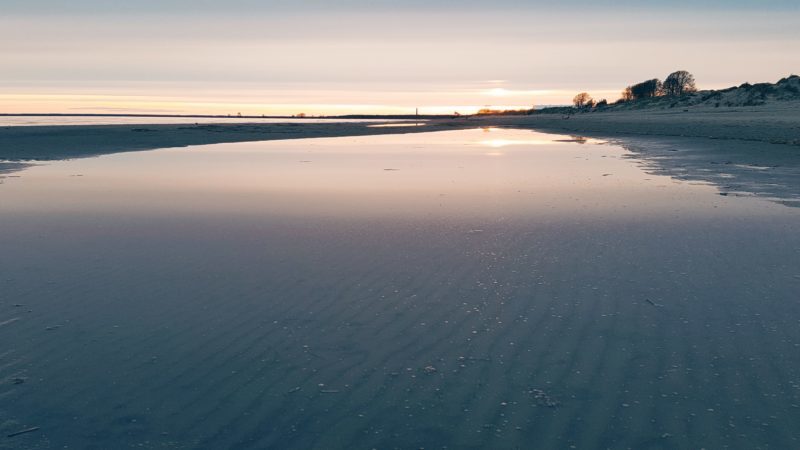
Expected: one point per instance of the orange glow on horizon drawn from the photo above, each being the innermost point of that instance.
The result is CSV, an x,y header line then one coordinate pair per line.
x,y
252,101
99,104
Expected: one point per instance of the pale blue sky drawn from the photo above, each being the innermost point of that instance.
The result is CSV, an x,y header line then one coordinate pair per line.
x,y
386,56
185,6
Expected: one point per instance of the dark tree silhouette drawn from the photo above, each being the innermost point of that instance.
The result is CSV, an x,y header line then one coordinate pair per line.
x,y
679,83
583,100
646,89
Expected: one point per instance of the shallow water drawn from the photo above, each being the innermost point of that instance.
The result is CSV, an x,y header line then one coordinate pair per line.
x,y
482,288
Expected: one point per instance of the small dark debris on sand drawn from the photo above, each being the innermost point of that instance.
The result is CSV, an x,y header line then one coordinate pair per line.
x,y
26,430
391,170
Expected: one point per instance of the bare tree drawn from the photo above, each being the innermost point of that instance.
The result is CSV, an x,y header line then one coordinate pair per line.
x,y
582,100
679,83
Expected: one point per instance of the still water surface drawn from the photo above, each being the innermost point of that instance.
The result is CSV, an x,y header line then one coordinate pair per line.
x,y
467,289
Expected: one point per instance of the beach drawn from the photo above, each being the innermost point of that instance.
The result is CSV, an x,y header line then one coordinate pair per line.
x,y
391,225
482,282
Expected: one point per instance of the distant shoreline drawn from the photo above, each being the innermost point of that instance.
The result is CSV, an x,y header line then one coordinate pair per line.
x,y
219,116
776,123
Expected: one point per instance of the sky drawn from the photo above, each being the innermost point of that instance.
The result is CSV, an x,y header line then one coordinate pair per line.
x,y
278,57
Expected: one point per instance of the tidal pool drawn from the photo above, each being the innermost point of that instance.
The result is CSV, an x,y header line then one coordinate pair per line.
x,y
468,289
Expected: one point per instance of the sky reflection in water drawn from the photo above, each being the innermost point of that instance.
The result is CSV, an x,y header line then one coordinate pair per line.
x,y
478,173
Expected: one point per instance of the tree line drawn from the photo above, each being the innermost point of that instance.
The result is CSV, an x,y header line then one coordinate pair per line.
x,y
676,84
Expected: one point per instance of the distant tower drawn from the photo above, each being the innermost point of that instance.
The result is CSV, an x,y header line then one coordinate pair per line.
x,y
417,112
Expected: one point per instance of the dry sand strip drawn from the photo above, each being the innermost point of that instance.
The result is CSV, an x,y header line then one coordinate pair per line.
x,y
76,141
776,123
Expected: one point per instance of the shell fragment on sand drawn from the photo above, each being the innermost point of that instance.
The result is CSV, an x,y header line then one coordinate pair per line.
x,y
9,321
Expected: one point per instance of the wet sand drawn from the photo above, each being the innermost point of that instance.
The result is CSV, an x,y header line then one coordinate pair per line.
x,y
76,141
735,167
